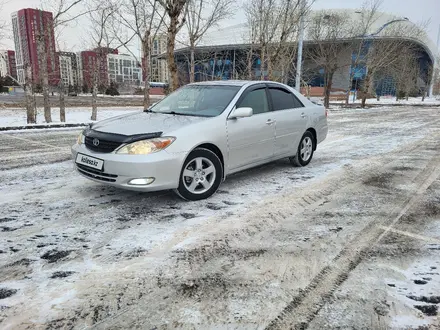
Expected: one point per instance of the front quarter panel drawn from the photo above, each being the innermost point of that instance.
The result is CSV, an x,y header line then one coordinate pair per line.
x,y
212,131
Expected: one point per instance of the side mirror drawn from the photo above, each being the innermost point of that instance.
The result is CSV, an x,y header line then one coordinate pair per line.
x,y
241,113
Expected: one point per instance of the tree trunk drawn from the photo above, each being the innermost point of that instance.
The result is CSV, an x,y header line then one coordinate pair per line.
x,y
262,59
172,67
365,90
350,86
30,112
213,66
146,49
423,96
327,89
249,64
347,97
30,115
192,62
62,103
42,55
269,68
95,89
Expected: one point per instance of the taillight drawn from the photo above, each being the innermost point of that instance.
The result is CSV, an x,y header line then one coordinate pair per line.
x,y
326,112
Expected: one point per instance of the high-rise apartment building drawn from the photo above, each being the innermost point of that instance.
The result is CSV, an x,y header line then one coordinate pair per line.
x,y
89,61
7,64
69,69
158,66
27,25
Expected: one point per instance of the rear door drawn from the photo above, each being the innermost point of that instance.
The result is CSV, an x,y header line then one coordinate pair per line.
x,y
251,140
291,120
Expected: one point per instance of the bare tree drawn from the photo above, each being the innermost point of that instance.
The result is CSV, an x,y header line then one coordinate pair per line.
x,y
43,38
4,25
202,15
329,32
405,72
143,19
101,21
64,12
31,114
361,27
435,74
385,50
273,27
176,13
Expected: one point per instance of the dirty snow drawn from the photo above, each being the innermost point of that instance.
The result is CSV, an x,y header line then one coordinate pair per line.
x,y
384,100
134,260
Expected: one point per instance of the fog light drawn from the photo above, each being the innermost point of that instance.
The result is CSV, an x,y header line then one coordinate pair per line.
x,y
141,181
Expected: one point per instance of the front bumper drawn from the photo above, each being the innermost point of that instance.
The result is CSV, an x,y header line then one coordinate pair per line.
x,y
119,170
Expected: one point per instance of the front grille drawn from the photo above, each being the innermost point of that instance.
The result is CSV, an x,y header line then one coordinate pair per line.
x,y
103,146
95,174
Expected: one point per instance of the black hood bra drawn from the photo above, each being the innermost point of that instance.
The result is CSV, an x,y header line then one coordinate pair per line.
x,y
120,138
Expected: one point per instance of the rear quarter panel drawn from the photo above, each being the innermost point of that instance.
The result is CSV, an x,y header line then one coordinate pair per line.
x,y
317,116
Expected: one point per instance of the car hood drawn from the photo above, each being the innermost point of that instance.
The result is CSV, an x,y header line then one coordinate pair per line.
x,y
145,122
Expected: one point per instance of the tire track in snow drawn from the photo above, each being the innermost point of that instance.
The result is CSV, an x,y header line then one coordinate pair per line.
x,y
303,307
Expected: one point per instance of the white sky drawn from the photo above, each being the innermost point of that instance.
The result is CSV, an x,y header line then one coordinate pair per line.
x,y
74,37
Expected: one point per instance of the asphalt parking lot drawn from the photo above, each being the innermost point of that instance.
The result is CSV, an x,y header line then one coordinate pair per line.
x,y
350,241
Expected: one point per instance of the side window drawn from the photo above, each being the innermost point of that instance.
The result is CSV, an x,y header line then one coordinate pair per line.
x,y
257,100
283,99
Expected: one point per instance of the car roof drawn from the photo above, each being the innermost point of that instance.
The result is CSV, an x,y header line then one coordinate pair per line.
x,y
239,83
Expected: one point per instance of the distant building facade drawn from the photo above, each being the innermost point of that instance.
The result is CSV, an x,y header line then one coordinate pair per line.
x,y
224,54
158,66
8,65
69,69
124,70
27,24
89,61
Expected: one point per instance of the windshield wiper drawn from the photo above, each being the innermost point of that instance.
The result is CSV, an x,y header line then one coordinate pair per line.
x,y
149,110
178,113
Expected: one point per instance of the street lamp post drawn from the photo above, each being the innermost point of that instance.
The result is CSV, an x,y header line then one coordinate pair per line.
x,y
300,45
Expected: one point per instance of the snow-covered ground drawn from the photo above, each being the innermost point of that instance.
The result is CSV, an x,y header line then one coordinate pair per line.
x,y
75,254
17,117
429,101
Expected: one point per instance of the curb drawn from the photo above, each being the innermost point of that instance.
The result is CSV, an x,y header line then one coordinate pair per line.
x,y
42,126
381,105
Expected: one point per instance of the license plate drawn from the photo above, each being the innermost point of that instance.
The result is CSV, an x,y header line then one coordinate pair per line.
x,y
89,161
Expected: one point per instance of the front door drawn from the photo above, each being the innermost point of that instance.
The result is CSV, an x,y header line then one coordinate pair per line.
x,y
251,140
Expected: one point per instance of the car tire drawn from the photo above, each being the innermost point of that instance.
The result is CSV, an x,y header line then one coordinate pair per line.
x,y
305,151
201,175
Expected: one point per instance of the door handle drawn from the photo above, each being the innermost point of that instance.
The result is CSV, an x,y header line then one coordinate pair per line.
x,y
303,115
270,122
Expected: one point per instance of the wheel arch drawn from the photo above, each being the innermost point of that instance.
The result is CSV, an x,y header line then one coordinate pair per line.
x,y
212,147
315,137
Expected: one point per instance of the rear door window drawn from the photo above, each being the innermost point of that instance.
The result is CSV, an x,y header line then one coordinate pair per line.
x,y
283,99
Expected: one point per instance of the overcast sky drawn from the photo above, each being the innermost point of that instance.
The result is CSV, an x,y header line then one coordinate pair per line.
x,y
74,38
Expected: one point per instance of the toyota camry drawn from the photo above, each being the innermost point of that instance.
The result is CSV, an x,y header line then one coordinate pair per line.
x,y
197,136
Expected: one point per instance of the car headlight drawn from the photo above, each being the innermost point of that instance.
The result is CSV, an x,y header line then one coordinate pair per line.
x,y
81,138
145,147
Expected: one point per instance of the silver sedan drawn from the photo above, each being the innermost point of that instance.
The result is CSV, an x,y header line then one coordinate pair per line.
x,y
198,135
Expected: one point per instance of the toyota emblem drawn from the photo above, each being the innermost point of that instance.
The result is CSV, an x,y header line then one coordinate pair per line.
x,y
95,142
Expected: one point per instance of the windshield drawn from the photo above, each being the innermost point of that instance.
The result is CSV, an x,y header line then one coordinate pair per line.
x,y
197,100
